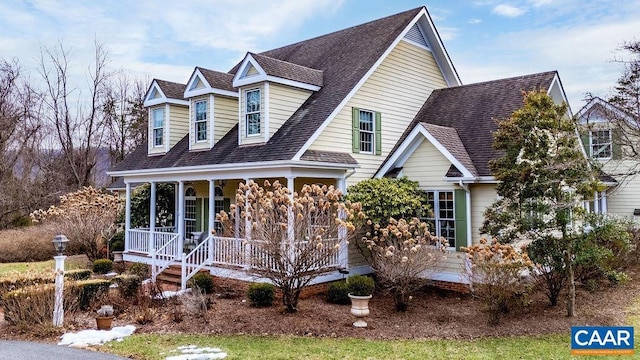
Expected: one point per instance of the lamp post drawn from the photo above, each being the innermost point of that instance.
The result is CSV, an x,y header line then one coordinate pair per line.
x,y
59,244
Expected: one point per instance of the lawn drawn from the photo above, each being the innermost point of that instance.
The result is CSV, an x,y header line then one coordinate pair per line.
x,y
148,346
75,262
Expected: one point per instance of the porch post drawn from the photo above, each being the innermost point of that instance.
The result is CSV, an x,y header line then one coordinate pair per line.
x,y
247,229
343,255
212,203
176,207
152,216
604,202
180,216
127,217
290,222
596,206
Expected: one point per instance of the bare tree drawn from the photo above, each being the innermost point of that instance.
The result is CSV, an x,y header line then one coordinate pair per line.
x,y
19,129
124,115
75,116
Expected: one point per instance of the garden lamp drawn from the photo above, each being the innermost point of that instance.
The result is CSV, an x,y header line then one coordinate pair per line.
x,y
60,243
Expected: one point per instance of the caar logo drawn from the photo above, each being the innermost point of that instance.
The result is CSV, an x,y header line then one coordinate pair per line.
x,y
601,340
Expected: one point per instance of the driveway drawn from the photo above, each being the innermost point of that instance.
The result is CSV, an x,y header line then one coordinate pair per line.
x,y
22,350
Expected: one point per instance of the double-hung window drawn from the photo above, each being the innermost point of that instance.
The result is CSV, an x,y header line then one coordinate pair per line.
x,y
201,120
190,210
601,144
442,221
158,127
252,117
366,131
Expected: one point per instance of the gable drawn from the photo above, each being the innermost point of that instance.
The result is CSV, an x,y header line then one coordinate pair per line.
x,y
251,71
428,166
416,36
198,84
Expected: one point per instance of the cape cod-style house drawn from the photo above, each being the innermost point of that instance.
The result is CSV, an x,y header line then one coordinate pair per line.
x,y
378,99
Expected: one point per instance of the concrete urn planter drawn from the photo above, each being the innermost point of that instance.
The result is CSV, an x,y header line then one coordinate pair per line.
x,y
359,309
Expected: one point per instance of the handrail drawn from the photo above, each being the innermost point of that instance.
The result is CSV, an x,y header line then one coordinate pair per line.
x,y
162,258
195,260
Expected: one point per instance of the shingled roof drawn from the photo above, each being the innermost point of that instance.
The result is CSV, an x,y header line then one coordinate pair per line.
x,y
472,110
344,57
217,79
171,90
287,70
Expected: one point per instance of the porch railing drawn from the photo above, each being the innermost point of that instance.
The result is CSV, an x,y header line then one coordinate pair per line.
x,y
139,239
195,260
166,253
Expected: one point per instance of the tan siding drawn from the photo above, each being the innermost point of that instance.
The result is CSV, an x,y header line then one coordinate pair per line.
x,y
151,149
194,145
453,264
283,102
178,123
482,196
625,197
428,166
245,140
397,89
252,71
225,116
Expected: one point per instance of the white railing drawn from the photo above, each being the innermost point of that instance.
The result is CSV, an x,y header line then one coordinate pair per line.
x,y
139,240
229,251
165,255
328,256
195,260
161,229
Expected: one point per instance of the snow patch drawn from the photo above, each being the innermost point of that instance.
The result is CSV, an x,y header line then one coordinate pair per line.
x,y
86,338
192,352
170,294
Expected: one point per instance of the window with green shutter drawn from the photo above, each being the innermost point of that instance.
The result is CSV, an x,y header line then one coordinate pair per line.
x,y
448,218
366,131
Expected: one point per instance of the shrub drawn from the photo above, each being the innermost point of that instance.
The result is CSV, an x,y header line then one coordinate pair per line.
x,y
202,282
19,280
128,285
117,242
497,277
90,290
78,274
338,293
27,244
261,294
33,305
139,269
102,266
402,254
360,285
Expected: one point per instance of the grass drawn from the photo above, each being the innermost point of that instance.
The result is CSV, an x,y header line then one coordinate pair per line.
x,y
151,346
40,266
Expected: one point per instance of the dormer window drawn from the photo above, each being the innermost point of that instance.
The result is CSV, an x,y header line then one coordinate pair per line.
x,y
158,127
252,112
201,120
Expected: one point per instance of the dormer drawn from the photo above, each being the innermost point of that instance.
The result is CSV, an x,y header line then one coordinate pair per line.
x,y
168,115
213,107
271,90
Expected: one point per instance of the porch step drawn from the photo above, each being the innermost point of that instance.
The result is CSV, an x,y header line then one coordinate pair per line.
x,y
172,276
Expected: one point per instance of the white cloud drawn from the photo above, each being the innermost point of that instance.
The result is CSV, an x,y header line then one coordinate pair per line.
x,y
539,3
474,21
508,10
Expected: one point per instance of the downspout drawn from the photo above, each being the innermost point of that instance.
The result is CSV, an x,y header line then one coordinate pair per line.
x,y
468,198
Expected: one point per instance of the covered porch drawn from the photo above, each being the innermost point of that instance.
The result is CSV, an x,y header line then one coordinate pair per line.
x,y
194,239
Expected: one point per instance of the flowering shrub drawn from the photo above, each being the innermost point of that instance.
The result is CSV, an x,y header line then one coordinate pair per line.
x,y
293,238
402,254
87,217
33,305
498,276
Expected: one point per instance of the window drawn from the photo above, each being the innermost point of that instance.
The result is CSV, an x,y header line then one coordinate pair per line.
x,y
601,144
158,127
442,221
253,112
366,132
218,206
189,211
201,120
367,136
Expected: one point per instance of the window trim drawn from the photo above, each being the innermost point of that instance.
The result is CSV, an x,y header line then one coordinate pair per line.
x,y
201,121
247,113
608,144
371,133
154,128
436,219
376,145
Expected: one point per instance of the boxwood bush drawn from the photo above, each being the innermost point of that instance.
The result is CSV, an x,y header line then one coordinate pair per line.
x,y
261,294
203,282
338,293
102,266
360,285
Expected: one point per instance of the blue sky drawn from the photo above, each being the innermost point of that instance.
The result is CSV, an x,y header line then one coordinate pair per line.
x,y
165,39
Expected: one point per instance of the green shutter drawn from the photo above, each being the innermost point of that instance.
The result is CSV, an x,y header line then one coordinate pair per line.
x,y
616,144
460,199
584,137
198,214
226,205
205,219
378,133
355,133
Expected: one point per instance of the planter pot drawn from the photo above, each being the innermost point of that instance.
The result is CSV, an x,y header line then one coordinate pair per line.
x,y
359,309
104,322
117,256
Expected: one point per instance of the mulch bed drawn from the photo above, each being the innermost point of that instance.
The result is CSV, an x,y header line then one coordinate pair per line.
x,y
432,314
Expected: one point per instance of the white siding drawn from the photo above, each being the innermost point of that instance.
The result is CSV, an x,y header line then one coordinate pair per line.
x,y
624,198
225,116
397,89
283,102
482,196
